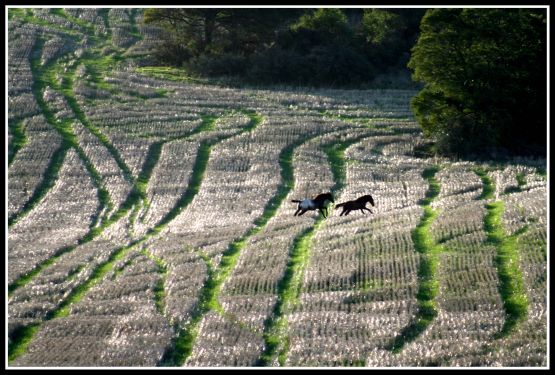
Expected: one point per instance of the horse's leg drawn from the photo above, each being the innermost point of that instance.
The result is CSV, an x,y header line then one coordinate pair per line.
x,y
297,212
323,212
369,210
302,212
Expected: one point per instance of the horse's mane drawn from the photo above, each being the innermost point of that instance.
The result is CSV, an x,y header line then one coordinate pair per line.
x,y
366,198
322,197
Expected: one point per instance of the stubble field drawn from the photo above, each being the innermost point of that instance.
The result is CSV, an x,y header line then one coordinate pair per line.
x,y
150,220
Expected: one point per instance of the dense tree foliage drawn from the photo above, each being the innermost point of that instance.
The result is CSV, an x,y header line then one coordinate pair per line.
x,y
485,80
326,46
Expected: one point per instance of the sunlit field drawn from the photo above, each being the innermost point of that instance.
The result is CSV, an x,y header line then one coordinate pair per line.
x,y
150,220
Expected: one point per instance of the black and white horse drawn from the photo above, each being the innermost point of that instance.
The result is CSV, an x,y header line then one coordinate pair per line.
x,y
357,204
316,203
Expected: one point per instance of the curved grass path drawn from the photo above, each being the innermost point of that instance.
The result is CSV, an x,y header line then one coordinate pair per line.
x,y
43,77
275,335
19,139
428,286
40,81
24,336
182,346
511,284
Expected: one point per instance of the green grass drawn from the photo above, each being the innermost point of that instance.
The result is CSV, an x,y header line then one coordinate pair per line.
x,y
521,179
255,119
99,272
60,12
49,179
67,90
168,73
159,290
193,187
19,139
275,333
20,340
488,189
27,16
44,76
428,285
183,343
511,285
521,182
153,155
15,13
22,280
203,154
289,287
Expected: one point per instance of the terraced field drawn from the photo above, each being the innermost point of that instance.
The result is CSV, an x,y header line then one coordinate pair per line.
x,y
150,222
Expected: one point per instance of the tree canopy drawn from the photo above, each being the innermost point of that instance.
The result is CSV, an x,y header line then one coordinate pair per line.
x,y
326,46
485,74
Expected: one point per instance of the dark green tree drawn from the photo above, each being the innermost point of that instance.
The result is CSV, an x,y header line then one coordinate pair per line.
x,y
485,74
379,25
318,47
218,30
192,28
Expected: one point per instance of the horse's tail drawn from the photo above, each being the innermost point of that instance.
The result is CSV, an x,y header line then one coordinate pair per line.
x,y
339,205
296,201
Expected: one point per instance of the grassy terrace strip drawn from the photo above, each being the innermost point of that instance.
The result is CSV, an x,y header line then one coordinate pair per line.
x,y
48,181
24,336
66,90
488,188
289,287
153,155
170,74
134,198
203,154
428,285
276,327
159,290
511,284
42,76
193,187
182,346
45,76
27,16
207,124
21,281
99,272
19,139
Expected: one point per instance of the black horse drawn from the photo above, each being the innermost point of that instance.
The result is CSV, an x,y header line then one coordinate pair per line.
x,y
316,203
357,204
